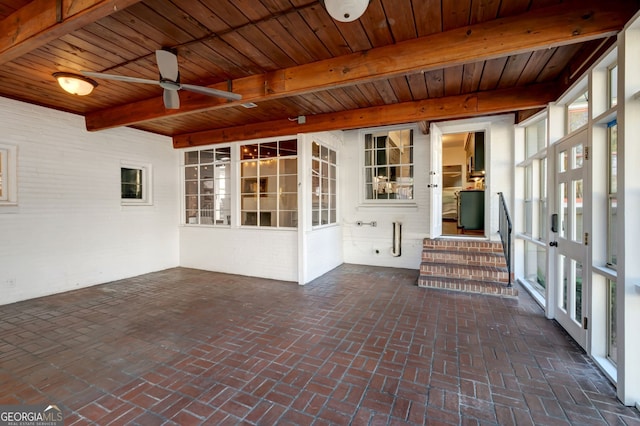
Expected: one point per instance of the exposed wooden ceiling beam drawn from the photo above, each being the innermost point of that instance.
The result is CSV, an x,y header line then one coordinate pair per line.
x,y
566,23
481,103
42,21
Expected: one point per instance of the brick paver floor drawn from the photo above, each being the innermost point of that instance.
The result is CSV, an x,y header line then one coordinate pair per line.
x,y
360,345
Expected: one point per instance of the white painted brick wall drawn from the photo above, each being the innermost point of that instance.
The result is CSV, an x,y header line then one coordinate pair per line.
x,y
267,253
361,242
69,229
324,251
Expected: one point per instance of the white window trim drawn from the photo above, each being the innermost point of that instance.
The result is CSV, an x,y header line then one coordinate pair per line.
x,y
577,90
9,160
232,188
147,184
238,190
394,203
585,92
327,163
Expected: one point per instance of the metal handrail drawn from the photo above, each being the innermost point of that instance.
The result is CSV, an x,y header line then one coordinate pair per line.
x,y
504,229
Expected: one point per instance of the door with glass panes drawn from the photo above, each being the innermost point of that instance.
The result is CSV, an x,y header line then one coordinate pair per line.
x,y
571,236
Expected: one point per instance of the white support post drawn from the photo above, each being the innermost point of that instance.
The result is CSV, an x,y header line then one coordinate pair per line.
x,y
628,299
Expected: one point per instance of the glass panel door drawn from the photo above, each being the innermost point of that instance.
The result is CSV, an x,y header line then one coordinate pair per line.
x,y
571,254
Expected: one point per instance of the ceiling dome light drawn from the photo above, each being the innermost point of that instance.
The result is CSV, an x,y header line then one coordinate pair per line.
x,y
74,83
346,10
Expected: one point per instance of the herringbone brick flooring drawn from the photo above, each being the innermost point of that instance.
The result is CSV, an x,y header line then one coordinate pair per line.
x,y
360,345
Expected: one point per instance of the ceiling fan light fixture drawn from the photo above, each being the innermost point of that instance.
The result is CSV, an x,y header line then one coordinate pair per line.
x,y
346,10
74,83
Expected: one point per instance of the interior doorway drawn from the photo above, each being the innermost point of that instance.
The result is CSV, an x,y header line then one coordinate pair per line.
x,y
463,184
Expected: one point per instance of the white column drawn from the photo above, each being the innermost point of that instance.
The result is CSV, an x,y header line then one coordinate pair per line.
x,y
628,283
304,205
556,123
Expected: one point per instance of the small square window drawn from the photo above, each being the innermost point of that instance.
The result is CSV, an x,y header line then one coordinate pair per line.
x,y
8,174
135,184
131,183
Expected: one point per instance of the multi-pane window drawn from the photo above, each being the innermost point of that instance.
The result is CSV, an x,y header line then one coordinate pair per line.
x,y
612,87
135,184
533,188
612,237
388,165
207,184
612,207
528,199
323,185
269,184
535,180
535,137
578,112
543,210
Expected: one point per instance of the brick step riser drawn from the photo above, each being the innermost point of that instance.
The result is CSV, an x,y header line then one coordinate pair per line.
x,y
459,273
458,245
497,289
475,259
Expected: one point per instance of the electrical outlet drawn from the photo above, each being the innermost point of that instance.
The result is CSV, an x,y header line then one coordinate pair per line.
x,y
374,223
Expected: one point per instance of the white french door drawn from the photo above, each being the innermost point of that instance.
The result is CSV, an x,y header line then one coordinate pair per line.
x,y
435,181
571,250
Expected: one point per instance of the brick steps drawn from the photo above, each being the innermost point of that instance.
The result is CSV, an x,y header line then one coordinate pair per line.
x,y
468,286
465,265
470,272
464,257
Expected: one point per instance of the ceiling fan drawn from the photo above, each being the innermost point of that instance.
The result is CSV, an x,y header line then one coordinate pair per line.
x,y
169,80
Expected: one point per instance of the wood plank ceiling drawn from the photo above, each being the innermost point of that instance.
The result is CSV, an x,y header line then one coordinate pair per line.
x,y
402,61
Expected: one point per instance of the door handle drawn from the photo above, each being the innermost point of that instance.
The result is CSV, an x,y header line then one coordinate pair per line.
x,y
435,185
553,244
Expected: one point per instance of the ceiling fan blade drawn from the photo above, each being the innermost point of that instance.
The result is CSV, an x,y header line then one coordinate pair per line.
x,y
167,65
171,99
124,78
212,92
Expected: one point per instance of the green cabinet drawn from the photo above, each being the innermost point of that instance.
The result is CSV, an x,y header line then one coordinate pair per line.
x,y
471,214
478,153
475,154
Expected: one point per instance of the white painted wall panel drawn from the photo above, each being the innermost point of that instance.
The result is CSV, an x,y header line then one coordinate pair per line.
x,y
499,150
324,251
244,251
69,229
